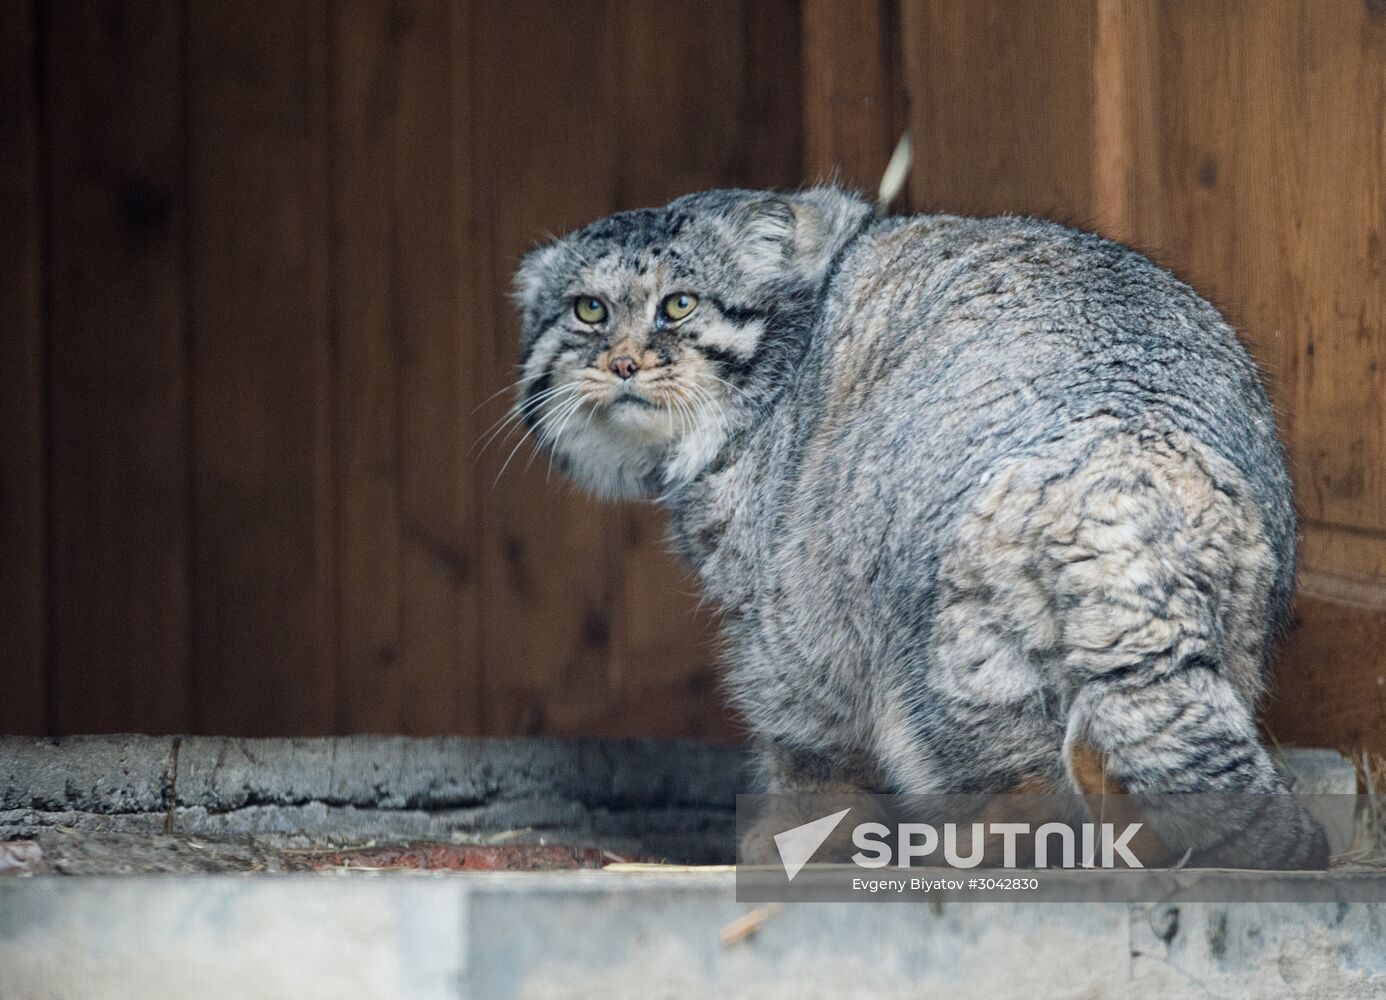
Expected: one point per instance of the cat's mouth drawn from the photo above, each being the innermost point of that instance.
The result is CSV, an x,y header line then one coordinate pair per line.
x,y
633,413
630,398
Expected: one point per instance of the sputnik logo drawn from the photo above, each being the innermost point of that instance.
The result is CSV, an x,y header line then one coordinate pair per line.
x,y
797,845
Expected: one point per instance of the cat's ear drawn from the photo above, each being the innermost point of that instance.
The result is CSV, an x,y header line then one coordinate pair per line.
x,y
825,218
532,277
797,234
764,238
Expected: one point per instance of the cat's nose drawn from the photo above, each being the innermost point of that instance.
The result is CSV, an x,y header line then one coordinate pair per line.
x,y
624,367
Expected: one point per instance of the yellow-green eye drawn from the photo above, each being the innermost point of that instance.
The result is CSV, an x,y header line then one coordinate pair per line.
x,y
676,307
590,309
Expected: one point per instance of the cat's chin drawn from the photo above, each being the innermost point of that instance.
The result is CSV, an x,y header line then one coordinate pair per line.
x,y
631,451
613,461
640,423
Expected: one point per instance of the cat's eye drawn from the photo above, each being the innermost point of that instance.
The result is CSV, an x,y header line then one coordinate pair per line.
x,y
589,309
676,307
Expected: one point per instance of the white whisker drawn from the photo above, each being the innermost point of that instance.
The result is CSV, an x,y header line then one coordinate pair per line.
x,y
519,412
734,388
684,413
538,428
708,401
558,432
508,388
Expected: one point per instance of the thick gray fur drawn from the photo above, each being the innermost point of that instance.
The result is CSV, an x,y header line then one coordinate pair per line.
x,y
980,499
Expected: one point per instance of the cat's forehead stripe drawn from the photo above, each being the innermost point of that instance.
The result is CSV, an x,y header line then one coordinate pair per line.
x,y
626,278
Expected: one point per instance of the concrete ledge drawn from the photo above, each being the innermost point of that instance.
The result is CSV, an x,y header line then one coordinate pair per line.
x,y
310,791
627,935
672,800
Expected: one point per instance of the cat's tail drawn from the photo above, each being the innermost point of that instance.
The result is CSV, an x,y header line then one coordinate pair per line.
x,y
1186,747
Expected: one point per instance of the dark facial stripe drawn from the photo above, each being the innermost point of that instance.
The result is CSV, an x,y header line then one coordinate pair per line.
x,y
549,321
739,314
540,384
731,363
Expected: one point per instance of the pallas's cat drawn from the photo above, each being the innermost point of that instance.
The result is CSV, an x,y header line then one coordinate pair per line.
x,y
985,503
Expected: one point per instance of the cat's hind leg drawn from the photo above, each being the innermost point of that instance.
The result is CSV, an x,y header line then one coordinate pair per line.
x,y
1161,581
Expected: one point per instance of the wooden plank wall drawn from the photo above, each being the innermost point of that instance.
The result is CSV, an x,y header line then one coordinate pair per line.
x,y
590,627
1241,145
252,289
23,451
253,292
118,376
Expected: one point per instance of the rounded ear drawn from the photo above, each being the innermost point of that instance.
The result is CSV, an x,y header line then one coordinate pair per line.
x,y
534,273
799,233
825,218
764,238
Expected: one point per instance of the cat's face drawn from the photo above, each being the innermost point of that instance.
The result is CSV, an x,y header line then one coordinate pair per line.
x,y
642,331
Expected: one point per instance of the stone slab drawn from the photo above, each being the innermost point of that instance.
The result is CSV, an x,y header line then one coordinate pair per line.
x,y
621,935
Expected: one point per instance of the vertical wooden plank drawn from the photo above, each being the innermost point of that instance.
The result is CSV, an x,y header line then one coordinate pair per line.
x,y
364,113
544,84
23,587
1330,689
265,568
1241,144
772,140
1221,107
406,526
852,102
661,680
681,69
1272,130
120,512
717,84
676,98
1000,98
1277,176
1125,157
436,295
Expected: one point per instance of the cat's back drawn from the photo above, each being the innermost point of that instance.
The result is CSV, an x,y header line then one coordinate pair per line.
x,y
960,340
933,302
953,350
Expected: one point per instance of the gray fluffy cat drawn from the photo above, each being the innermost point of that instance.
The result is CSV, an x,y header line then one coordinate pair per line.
x,y
988,504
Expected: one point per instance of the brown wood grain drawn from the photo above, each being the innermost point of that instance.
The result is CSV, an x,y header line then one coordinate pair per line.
x,y
1330,688
722,108
437,274
1125,122
703,93
1271,182
687,62
23,477
119,377
690,64
265,562
853,107
544,79
252,291
1273,178
366,394
1000,106
408,585
771,143
1242,146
